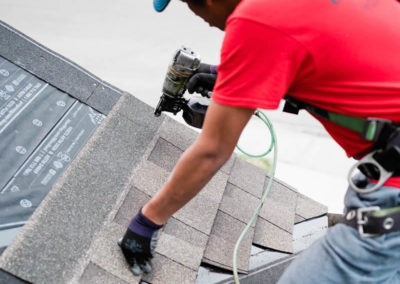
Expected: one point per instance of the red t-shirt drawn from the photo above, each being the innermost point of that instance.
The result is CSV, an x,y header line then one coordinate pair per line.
x,y
342,56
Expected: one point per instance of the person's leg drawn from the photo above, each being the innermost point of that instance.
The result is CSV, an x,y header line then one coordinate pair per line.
x,y
342,256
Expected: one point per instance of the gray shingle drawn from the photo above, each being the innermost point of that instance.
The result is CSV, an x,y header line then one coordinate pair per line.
x,y
104,98
138,111
199,213
298,219
221,243
308,208
46,64
186,233
279,214
180,251
248,177
149,177
165,154
177,133
106,253
282,193
270,236
94,274
215,188
227,227
131,205
167,271
234,199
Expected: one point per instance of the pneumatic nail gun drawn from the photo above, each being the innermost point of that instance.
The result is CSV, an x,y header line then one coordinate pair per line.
x,y
184,64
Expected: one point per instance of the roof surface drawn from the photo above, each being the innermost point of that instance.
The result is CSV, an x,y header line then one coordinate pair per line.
x,y
72,236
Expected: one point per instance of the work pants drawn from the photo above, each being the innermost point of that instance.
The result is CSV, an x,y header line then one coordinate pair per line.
x,y
343,256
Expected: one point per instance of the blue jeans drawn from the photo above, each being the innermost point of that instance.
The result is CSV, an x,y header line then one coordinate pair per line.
x,y
342,256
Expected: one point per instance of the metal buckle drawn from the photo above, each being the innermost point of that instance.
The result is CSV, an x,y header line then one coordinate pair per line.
x,y
369,159
363,220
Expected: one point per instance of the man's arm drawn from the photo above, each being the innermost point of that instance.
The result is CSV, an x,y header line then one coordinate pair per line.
x,y
221,131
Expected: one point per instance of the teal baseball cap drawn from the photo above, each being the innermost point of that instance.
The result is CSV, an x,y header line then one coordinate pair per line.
x,y
160,5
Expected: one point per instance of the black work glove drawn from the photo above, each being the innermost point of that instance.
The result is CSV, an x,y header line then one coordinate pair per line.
x,y
203,80
138,244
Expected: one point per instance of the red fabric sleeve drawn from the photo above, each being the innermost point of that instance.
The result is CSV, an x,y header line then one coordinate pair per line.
x,y
258,65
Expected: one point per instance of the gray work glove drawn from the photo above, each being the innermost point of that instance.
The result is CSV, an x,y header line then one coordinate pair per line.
x,y
203,80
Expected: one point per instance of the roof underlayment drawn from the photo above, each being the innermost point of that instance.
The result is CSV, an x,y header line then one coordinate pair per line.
x,y
72,236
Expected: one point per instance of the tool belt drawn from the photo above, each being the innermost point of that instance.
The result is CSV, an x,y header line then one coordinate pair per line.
x,y
373,221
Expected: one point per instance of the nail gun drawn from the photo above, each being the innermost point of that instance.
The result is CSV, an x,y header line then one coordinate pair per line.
x,y
184,64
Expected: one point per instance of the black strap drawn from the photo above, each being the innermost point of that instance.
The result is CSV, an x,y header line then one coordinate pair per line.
x,y
371,129
377,223
384,133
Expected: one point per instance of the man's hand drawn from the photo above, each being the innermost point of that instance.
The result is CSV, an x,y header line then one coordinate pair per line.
x,y
138,244
204,80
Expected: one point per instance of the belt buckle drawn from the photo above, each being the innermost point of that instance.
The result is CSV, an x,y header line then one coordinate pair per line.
x,y
363,220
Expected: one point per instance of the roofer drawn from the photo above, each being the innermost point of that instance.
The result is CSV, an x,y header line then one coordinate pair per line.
x,y
337,59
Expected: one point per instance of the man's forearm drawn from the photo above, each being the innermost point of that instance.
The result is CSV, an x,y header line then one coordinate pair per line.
x,y
193,171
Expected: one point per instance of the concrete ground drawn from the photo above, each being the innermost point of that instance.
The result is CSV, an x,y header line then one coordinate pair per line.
x,y
129,45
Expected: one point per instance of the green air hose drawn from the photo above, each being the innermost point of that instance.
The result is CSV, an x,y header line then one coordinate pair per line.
x,y
273,145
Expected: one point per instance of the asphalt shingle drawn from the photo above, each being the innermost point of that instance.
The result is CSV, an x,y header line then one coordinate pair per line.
x,y
149,177
215,188
166,271
270,236
282,193
279,214
104,98
186,233
139,112
248,177
221,243
130,206
177,133
180,251
165,154
309,208
46,64
234,199
199,213
106,253
298,219
94,274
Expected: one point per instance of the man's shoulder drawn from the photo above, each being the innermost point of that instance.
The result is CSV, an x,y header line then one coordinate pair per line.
x,y
272,12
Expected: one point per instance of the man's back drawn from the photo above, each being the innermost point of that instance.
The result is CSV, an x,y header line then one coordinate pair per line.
x,y
339,55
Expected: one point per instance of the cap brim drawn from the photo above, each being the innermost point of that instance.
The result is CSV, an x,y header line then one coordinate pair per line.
x,y
160,5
